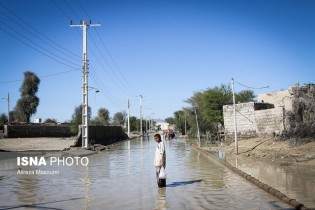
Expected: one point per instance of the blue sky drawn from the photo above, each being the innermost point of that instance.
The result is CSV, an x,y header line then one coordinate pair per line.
x,y
163,50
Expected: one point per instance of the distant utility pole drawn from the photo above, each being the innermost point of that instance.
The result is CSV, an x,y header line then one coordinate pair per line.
x,y
198,133
141,114
85,126
8,99
8,108
185,127
235,126
128,119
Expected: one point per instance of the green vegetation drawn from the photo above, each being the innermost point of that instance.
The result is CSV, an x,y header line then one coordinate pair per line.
x,y
27,105
77,118
208,106
119,118
102,117
3,119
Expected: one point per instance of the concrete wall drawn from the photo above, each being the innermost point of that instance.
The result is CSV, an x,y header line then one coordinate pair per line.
x,y
269,122
245,120
104,135
28,131
252,121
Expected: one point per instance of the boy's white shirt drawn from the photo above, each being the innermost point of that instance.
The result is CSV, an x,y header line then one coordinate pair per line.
x,y
159,151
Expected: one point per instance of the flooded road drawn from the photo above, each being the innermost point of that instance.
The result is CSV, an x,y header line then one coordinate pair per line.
x,y
124,178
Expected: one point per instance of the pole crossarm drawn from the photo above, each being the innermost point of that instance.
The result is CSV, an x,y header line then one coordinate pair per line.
x,y
84,22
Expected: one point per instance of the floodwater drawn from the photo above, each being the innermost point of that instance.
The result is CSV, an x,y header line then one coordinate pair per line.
x,y
297,182
124,178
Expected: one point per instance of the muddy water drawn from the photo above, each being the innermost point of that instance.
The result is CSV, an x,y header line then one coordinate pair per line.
x,y
296,181
124,178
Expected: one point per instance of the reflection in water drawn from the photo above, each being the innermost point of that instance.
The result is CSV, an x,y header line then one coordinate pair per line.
x,y
26,191
294,181
161,199
86,188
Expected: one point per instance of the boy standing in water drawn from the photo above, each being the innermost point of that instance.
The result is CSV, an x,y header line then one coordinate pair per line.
x,y
159,159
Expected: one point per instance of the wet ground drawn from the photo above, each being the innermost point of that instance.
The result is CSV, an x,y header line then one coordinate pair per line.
x,y
124,178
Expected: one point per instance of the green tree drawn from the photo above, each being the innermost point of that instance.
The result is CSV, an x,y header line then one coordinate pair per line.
x,y
180,117
26,106
119,119
170,120
208,105
77,118
244,96
134,124
102,117
212,101
3,119
51,120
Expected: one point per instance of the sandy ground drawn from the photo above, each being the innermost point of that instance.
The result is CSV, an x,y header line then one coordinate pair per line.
x,y
28,144
270,149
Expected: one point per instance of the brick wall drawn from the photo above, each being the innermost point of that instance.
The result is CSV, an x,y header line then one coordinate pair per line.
x,y
269,122
252,122
245,120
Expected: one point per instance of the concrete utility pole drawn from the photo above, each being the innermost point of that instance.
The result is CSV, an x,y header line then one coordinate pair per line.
x,y
8,108
235,126
8,99
141,114
198,133
185,127
85,126
128,119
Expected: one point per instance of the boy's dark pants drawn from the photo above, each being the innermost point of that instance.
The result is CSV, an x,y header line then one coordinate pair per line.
x,y
160,182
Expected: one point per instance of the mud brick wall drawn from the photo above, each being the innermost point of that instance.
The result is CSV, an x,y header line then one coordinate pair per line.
x,y
252,122
28,131
270,121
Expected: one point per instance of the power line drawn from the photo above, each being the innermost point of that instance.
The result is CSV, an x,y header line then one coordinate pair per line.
x,y
49,56
73,11
44,76
116,78
251,87
111,57
63,50
126,83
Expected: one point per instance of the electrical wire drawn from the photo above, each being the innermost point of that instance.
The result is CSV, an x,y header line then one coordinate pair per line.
x,y
115,77
112,59
44,76
34,48
94,76
125,83
63,50
251,87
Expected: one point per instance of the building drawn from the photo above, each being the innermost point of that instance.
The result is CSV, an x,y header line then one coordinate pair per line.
x,y
253,120
164,126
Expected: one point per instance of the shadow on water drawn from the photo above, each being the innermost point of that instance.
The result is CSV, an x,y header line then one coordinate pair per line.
x,y
37,206
178,184
277,206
